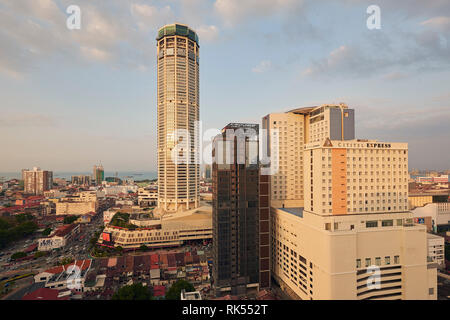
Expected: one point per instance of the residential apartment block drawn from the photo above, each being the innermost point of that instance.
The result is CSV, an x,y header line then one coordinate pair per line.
x,y
37,181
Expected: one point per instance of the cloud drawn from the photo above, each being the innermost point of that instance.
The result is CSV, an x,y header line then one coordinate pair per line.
x,y
396,75
116,32
423,122
95,54
151,17
235,11
26,120
424,51
263,66
441,23
339,60
207,33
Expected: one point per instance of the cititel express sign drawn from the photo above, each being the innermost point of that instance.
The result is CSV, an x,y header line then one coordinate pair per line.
x,y
363,145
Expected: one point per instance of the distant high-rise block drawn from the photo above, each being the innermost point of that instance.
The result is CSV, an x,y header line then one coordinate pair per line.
x,y
241,258
178,114
98,175
81,180
37,181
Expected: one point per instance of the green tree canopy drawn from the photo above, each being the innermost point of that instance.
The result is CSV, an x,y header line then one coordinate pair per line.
x,y
70,219
23,217
39,254
4,224
46,231
18,255
135,291
175,290
16,228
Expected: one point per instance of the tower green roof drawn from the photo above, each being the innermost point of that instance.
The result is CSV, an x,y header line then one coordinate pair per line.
x,y
177,29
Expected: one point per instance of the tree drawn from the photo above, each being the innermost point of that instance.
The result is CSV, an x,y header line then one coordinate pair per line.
x,y
135,291
143,247
18,255
65,261
39,254
23,217
70,219
46,232
447,251
175,290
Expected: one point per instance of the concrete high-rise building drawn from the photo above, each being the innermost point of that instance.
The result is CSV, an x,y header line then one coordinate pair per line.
x,y
98,175
206,174
23,173
81,180
241,239
294,129
178,114
37,181
354,238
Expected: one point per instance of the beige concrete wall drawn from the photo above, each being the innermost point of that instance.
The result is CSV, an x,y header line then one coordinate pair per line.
x,y
75,208
333,255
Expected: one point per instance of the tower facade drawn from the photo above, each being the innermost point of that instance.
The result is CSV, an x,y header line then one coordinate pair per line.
x,y
241,259
98,175
178,115
294,129
37,181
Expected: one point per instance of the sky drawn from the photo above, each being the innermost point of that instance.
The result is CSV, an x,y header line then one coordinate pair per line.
x,y
73,98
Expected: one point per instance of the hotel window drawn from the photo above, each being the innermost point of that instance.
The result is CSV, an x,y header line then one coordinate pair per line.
x,y
387,223
358,263
368,262
378,261
396,259
371,224
399,222
387,260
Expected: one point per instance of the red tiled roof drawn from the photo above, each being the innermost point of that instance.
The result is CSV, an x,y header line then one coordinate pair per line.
x,y
154,259
43,294
159,291
35,198
18,208
64,230
31,247
82,264
227,297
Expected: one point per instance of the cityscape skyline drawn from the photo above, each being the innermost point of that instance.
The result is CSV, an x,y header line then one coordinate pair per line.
x,y
401,99
318,188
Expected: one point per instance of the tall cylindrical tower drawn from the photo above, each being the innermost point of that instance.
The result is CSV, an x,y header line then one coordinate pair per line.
x,y
178,115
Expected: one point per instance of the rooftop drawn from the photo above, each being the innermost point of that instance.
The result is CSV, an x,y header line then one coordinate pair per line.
x,y
44,294
177,29
82,264
433,236
64,230
307,110
298,211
